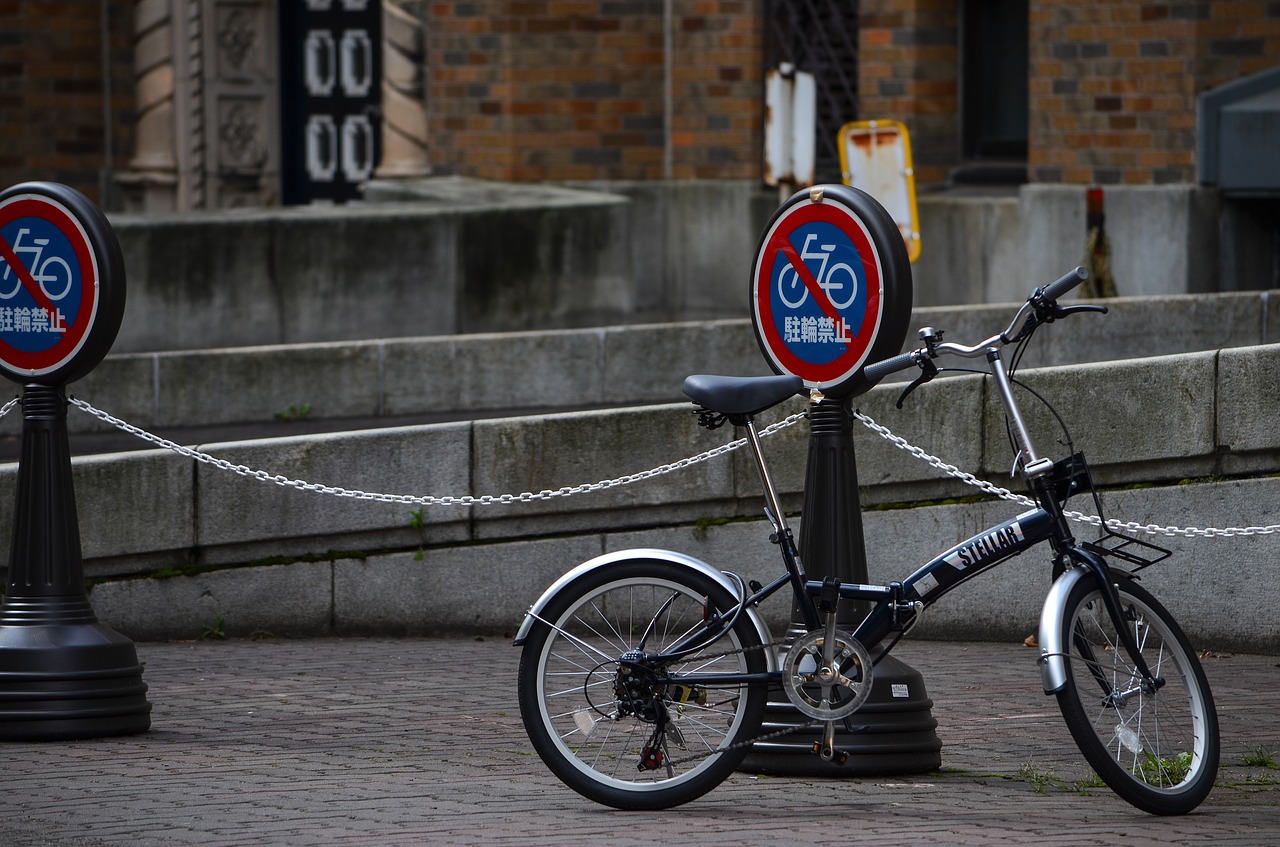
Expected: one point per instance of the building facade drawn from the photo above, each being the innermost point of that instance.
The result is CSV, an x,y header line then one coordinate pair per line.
x,y
189,104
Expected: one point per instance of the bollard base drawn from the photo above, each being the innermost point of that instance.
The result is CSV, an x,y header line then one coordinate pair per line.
x,y
73,679
894,733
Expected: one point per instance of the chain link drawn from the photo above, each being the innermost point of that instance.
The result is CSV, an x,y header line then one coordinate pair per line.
x,y
1081,517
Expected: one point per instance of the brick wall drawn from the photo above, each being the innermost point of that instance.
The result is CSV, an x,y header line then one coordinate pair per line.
x,y
718,82
576,89
52,125
908,71
1114,84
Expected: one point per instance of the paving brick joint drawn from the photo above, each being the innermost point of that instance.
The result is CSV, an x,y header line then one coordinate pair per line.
x,y
419,741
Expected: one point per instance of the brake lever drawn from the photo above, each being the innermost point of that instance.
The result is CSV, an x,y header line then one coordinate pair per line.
x,y
928,370
1039,311
1062,311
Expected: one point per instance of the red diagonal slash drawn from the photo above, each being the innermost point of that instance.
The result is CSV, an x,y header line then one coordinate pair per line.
x,y
25,277
783,243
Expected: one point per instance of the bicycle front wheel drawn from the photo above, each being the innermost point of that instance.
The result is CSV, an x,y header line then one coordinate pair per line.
x,y
1156,749
649,746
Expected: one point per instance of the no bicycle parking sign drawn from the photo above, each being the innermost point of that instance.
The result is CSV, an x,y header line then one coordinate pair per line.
x,y
831,288
61,284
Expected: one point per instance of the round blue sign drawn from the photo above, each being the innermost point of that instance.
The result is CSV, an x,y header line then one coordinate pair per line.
x,y
61,284
818,290
827,289
818,293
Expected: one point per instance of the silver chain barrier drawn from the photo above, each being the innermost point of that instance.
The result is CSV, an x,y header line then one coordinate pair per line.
x,y
566,491
426,500
1093,520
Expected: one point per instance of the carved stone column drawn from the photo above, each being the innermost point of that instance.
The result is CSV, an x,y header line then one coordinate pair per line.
x,y
240,93
151,182
404,98
205,77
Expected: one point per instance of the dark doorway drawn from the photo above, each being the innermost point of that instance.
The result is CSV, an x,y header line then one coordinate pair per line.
x,y
994,74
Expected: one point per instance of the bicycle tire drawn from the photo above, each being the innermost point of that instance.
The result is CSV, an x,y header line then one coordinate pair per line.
x,y
1158,751
568,687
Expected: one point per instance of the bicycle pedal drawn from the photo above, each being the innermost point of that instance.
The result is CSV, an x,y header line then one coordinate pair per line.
x,y
840,757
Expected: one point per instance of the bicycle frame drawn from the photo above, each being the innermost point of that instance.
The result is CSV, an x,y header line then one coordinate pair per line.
x,y
898,605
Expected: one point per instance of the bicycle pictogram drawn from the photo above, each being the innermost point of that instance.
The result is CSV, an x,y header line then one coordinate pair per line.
x,y
840,294
41,271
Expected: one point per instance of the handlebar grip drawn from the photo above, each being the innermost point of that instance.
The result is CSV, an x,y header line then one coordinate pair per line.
x,y
1062,286
879,370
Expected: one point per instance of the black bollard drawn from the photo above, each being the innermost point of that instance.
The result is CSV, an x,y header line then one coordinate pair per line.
x,y
894,731
830,293
63,675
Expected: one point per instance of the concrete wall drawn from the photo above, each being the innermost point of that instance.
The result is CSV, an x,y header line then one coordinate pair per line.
x,y
1189,439
987,247
542,257
449,255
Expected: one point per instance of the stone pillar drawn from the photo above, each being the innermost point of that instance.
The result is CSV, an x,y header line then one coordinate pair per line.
x,y
151,181
404,93
205,81
239,95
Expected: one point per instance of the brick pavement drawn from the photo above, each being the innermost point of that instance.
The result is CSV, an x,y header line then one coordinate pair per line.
x,y
390,742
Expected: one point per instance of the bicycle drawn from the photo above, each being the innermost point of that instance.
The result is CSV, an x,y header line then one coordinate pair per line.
x,y
644,673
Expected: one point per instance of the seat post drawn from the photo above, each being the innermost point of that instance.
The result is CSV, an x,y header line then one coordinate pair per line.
x,y
776,516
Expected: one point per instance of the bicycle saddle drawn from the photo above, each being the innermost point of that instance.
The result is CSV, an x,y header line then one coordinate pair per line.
x,y
740,395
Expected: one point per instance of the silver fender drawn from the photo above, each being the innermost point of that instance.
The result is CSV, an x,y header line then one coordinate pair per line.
x,y
535,611
1053,652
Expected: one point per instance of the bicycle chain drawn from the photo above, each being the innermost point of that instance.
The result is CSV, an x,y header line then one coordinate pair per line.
x,y
740,744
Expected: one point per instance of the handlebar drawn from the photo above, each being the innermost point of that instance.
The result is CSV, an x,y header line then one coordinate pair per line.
x,y
880,370
1062,286
1040,307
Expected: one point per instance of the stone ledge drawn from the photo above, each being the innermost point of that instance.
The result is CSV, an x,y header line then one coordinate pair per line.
x,y
388,382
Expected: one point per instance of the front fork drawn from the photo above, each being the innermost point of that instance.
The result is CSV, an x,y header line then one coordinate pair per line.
x,y
1111,599
1053,646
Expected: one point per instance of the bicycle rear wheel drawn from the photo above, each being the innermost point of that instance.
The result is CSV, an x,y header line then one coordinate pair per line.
x,y
649,746
1157,749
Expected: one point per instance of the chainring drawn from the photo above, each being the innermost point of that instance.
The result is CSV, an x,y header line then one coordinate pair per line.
x,y
823,684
